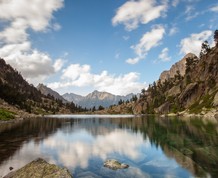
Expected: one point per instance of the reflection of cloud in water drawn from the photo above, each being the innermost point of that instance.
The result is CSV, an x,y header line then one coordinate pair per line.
x,y
163,162
21,158
77,148
131,172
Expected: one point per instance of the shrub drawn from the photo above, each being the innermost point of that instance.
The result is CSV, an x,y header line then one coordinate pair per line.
x,y
6,115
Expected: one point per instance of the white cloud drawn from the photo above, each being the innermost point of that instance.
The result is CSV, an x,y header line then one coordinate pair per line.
x,y
125,38
193,43
190,13
15,33
133,60
33,64
36,13
77,152
117,55
16,46
77,75
148,41
173,31
214,9
164,55
175,3
58,65
132,13
56,26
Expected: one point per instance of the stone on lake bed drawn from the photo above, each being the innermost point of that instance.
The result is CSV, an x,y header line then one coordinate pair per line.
x,y
114,164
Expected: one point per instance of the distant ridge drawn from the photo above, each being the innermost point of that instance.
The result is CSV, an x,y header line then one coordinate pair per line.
x,y
96,99
48,91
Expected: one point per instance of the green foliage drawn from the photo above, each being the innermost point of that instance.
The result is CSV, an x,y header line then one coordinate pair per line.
x,y
216,37
120,102
205,102
93,109
205,48
190,64
100,108
175,107
188,79
134,98
211,82
6,115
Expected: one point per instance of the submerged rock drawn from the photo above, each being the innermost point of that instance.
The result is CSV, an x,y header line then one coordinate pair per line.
x,y
114,164
40,168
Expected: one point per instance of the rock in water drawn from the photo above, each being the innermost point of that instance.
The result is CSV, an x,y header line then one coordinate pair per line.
x,y
40,168
114,164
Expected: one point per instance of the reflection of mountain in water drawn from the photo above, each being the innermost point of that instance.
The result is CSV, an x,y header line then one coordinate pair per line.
x,y
192,143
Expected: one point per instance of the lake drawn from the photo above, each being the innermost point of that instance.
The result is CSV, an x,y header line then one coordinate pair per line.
x,y
151,146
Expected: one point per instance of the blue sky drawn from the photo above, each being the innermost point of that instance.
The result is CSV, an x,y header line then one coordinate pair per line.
x,y
115,46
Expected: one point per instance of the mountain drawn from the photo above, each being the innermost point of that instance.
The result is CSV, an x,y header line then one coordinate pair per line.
x,y
178,67
192,90
96,99
195,92
72,97
19,94
48,91
14,89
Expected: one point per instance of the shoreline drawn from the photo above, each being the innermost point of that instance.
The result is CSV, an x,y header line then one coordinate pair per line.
x,y
211,114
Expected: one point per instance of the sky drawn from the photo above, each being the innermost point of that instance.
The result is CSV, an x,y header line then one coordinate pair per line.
x,y
117,46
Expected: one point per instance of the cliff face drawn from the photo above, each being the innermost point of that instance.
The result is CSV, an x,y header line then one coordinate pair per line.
x,y
194,88
179,66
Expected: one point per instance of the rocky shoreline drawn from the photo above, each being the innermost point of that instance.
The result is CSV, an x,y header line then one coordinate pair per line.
x,y
40,168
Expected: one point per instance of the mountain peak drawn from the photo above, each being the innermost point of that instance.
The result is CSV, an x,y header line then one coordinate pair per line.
x,y
96,98
45,91
178,66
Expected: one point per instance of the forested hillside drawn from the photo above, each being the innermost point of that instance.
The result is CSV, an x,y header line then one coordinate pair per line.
x,y
195,91
18,92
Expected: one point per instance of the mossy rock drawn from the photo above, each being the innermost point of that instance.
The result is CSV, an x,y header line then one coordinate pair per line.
x,y
186,151
114,164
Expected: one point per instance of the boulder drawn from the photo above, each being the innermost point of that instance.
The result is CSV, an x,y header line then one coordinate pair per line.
x,y
189,95
140,107
174,91
163,109
40,168
114,164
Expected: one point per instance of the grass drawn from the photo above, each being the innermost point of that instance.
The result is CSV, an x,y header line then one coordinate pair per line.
x,y
6,115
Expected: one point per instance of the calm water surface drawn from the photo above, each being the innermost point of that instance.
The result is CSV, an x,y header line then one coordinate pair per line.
x,y
153,147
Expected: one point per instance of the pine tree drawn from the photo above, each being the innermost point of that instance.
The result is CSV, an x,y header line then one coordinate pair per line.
x,y
216,37
205,48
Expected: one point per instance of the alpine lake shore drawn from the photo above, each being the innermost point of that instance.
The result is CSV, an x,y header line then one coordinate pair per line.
x,y
40,168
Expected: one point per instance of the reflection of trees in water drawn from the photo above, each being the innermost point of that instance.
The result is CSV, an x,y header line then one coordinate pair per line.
x,y
14,135
192,143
